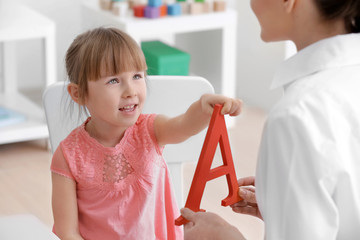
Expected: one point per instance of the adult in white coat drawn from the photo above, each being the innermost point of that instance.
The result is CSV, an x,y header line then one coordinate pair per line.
x,y
308,172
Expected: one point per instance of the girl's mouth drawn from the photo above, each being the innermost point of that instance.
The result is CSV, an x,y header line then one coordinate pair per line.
x,y
128,108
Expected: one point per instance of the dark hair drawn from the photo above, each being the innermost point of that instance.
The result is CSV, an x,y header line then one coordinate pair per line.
x,y
349,10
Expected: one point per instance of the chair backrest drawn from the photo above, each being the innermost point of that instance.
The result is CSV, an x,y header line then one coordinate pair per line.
x,y
169,95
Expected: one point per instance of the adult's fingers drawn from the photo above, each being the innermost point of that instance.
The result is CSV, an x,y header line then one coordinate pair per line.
x,y
247,195
241,203
247,181
253,211
187,213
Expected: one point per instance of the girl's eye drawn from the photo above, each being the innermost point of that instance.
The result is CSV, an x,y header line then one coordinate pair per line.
x,y
113,81
137,76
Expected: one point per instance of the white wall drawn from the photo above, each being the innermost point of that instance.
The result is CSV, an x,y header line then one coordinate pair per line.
x,y
67,16
256,61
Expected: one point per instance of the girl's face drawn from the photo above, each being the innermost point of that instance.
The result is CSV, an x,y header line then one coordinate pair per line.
x,y
272,18
116,101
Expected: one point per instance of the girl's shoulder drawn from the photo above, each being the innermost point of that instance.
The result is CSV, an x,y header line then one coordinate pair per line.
x,y
145,119
77,134
144,124
143,132
78,143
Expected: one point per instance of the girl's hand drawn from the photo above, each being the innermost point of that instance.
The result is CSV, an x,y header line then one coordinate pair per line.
x,y
247,192
196,118
231,106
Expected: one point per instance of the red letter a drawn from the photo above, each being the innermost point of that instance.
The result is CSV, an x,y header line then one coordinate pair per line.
x,y
216,133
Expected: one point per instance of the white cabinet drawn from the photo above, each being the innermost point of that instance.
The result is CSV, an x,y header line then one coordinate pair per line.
x,y
18,22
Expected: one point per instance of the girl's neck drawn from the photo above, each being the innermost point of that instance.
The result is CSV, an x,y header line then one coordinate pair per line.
x,y
105,135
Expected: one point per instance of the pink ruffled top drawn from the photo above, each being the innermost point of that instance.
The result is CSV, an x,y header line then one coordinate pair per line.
x,y
123,192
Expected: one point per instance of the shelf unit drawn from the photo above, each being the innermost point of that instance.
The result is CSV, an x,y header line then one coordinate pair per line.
x,y
144,29
19,22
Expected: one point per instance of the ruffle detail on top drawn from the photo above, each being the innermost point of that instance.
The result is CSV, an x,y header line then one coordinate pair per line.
x,y
132,161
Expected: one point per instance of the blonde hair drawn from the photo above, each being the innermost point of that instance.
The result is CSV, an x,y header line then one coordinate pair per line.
x,y
101,52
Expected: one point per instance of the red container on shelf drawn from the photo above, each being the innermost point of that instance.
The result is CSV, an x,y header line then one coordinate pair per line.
x,y
139,10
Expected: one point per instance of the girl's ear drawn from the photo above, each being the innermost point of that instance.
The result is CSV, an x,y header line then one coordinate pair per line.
x,y
73,90
289,5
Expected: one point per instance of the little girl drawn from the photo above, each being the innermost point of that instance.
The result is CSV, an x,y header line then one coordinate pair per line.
x,y
109,178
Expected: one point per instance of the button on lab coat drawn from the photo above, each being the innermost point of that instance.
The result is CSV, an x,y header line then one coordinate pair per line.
x,y
308,172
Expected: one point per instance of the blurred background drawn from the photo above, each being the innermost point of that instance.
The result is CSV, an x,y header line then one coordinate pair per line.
x,y
229,54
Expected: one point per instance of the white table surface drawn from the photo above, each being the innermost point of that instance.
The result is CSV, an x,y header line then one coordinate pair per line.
x,y
24,227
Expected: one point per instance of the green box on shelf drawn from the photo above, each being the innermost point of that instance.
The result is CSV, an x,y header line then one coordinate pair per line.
x,y
163,59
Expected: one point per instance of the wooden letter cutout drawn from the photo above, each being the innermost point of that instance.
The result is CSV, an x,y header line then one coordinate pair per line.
x,y
216,133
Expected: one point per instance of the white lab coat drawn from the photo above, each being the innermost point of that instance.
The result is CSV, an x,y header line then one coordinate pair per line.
x,y
308,172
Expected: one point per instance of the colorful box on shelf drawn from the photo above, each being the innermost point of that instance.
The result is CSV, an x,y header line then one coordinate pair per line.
x,y
219,6
155,3
174,9
156,8
163,59
151,12
196,8
185,7
105,5
119,7
139,10
207,7
163,10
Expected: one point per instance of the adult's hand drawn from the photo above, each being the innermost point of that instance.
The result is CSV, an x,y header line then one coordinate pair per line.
x,y
207,225
249,204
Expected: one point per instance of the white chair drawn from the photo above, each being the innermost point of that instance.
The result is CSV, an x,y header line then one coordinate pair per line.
x,y
169,95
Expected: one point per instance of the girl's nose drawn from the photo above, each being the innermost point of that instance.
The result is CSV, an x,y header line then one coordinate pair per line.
x,y
129,90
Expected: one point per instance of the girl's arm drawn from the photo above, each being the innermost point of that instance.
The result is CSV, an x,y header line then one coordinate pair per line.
x,y
64,204
196,118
